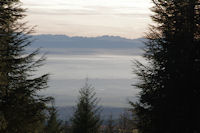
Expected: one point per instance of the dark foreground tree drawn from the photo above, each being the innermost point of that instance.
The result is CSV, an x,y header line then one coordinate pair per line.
x,y
170,90
21,107
86,118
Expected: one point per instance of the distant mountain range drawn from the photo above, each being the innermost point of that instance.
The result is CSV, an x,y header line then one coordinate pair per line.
x,y
63,41
62,44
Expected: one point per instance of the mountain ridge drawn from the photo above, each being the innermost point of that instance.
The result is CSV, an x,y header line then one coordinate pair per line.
x,y
64,41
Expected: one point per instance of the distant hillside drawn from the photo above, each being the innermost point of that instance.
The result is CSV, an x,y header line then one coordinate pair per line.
x,y
65,113
62,44
62,41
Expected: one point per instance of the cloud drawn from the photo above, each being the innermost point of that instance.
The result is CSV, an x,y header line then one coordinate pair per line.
x,y
60,7
92,11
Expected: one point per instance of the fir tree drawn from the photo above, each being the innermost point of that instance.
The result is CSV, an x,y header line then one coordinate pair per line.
x,y
86,118
170,93
21,107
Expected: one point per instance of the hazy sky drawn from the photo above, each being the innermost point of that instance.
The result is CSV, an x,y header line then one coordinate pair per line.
x,y
126,18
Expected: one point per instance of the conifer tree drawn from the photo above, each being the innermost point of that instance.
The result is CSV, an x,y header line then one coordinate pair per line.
x,y
170,94
86,118
21,107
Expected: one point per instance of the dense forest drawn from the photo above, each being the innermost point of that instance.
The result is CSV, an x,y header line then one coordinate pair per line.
x,y
169,81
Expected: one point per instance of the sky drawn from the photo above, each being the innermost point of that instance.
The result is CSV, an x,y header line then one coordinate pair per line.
x,y
125,18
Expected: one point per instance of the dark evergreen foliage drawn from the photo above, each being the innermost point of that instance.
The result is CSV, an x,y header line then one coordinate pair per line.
x,y
21,107
86,118
170,90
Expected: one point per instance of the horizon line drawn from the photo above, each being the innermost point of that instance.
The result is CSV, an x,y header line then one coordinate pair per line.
x,y
71,36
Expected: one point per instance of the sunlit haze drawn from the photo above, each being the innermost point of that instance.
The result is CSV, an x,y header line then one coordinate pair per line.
x,y
125,18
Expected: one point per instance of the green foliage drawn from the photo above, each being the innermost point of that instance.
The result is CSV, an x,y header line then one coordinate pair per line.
x,y
169,83
21,108
86,118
